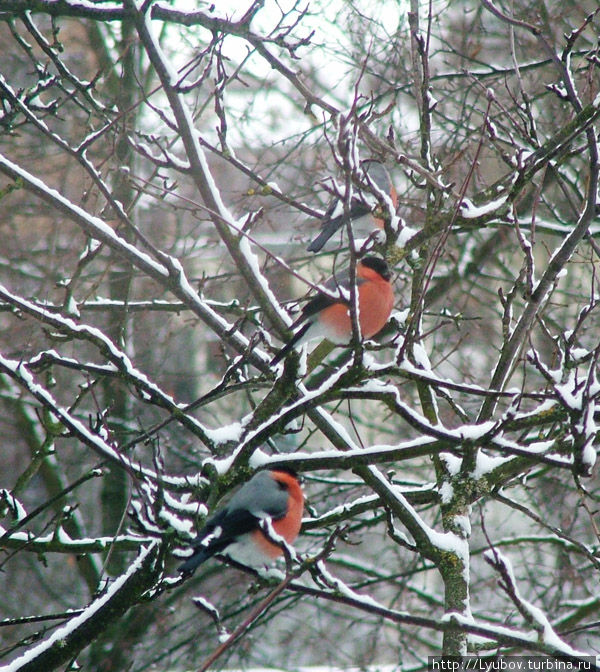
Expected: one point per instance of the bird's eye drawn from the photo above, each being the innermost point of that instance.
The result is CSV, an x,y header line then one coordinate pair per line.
x,y
282,485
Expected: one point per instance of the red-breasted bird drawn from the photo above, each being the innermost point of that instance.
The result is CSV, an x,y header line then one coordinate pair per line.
x,y
361,212
327,317
235,528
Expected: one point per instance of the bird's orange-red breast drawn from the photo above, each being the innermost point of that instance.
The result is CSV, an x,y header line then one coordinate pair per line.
x,y
325,316
361,213
235,529
287,527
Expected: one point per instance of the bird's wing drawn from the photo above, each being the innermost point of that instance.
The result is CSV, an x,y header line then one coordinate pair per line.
x,y
259,498
218,533
330,225
321,301
377,172
262,496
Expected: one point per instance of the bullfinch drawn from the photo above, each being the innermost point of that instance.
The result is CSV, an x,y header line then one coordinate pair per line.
x,y
235,528
361,213
325,316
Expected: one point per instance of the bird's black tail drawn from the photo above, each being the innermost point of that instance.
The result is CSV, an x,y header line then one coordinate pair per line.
x,y
291,344
329,228
193,562
201,554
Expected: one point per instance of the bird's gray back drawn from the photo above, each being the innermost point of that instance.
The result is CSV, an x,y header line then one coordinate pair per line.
x,y
261,496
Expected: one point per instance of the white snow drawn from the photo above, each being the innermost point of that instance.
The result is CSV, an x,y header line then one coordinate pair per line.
x,y
463,523
306,396
221,466
579,353
259,459
589,455
64,631
71,307
18,509
16,370
376,451
471,211
444,541
452,462
485,464
446,492
76,544
406,233
94,225
341,587
120,360
252,261
421,357
225,434
184,526
550,636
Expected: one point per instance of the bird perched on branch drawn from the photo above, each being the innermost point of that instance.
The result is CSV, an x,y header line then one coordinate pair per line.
x,y
328,315
235,529
362,213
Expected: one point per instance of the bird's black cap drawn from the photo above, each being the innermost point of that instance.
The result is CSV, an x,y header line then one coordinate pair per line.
x,y
378,265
